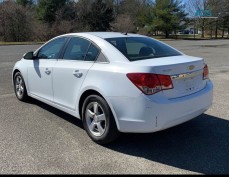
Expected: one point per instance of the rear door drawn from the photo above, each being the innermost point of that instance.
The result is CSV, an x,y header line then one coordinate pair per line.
x,y
70,71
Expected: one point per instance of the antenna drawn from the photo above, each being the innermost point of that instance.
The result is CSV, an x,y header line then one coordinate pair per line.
x,y
128,27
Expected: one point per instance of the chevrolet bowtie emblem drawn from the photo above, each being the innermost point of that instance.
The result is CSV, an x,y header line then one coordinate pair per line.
x,y
192,67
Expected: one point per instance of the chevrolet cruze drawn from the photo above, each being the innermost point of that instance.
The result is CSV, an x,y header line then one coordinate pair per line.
x,y
115,82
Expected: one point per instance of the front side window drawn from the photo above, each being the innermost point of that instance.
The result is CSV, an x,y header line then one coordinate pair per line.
x,y
141,48
52,49
77,49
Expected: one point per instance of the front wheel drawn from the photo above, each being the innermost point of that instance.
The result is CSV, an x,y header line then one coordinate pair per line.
x,y
98,120
19,87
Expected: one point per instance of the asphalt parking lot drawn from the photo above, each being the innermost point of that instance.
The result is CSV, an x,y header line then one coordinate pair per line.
x,y
38,139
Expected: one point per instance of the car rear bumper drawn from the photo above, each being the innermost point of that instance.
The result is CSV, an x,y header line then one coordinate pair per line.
x,y
150,114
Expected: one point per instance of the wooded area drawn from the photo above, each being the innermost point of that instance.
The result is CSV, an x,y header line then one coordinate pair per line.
x,y
29,20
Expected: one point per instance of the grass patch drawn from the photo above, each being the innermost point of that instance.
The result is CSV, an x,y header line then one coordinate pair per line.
x,y
187,37
20,43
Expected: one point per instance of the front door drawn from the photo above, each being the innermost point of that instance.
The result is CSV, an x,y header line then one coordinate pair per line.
x,y
40,70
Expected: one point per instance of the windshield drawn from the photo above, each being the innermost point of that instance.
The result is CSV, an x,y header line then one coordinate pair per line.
x,y
141,48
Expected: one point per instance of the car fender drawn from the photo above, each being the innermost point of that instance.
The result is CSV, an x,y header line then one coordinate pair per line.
x,y
23,70
97,89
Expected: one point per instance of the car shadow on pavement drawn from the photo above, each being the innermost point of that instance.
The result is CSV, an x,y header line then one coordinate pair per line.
x,y
200,145
65,116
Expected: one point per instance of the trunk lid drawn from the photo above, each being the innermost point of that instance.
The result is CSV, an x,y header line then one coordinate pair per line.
x,y
186,73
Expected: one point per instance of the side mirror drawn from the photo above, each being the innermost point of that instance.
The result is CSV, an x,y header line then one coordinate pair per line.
x,y
28,56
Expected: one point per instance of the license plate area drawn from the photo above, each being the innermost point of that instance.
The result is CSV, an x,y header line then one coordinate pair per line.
x,y
185,84
189,85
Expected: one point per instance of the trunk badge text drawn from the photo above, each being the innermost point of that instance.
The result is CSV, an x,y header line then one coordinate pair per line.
x,y
187,75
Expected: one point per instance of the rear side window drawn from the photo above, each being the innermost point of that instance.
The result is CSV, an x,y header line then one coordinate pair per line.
x,y
92,53
141,48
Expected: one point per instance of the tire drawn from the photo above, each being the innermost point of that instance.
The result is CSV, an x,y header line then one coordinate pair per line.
x,y
98,120
19,87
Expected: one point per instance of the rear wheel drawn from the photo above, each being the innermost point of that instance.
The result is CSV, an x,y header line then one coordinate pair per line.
x,y
98,120
19,87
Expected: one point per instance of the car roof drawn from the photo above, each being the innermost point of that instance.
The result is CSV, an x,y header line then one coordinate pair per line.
x,y
99,38
105,35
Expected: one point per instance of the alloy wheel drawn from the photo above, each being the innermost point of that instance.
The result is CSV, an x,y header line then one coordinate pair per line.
x,y
19,86
95,119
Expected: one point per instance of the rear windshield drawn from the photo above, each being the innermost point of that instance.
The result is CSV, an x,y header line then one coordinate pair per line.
x,y
141,48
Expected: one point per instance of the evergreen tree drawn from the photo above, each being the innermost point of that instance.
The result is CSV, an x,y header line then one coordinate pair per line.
x,y
168,15
100,16
24,2
46,9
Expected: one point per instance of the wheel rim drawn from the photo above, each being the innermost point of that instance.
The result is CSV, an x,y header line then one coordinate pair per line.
x,y
95,119
19,86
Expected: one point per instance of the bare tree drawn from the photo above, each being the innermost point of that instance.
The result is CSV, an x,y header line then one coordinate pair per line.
x,y
123,24
219,10
193,6
14,22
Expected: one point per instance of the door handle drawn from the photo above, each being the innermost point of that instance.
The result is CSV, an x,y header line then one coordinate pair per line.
x,y
47,71
77,73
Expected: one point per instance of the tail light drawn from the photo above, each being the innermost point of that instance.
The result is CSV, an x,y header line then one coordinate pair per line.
x,y
206,73
150,83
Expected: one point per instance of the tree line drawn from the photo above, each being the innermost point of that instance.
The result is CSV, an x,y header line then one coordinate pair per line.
x,y
40,20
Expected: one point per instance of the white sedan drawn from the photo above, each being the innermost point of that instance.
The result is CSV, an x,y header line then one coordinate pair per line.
x,y
115,82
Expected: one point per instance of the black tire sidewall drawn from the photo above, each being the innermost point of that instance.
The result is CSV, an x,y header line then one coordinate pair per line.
x,y
111,131
24,95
